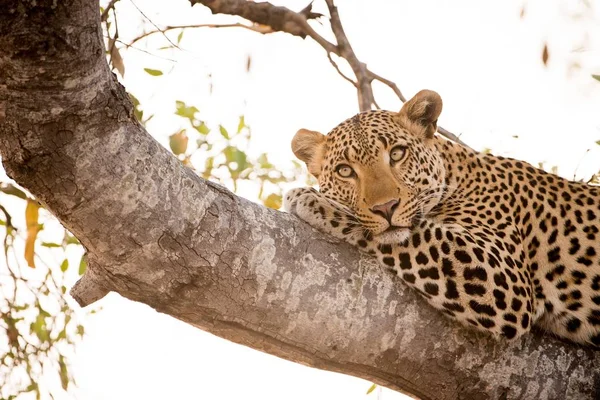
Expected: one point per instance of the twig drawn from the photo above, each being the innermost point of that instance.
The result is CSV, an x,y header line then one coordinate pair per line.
x,y
363,83
156,26
337,68
389,83
109,7
255,28
451,136
129,46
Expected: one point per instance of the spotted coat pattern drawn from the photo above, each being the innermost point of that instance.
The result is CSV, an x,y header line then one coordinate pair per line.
x,y
491,241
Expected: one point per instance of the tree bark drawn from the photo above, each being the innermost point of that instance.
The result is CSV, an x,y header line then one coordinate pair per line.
x,y
157,233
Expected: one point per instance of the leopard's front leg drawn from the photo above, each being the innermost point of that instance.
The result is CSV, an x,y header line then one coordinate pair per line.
x,y
326,216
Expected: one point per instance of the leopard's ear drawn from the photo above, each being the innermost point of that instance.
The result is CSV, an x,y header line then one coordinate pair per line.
x,y
309,146
423,110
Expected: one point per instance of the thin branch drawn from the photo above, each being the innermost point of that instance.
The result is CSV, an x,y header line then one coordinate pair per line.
x,y
337,68
388,83
451,136
156,26
263,29
363,83
129,46
109,7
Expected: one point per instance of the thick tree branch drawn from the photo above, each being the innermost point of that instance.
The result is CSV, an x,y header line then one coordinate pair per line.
x,y
157,233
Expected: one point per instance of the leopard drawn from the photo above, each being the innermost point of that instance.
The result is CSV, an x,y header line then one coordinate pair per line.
x,y
493,242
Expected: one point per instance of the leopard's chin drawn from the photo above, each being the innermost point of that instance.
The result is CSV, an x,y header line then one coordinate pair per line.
x,y
393,235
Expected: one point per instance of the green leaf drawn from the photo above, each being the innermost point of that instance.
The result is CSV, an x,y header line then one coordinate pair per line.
x,y
202,128
39,327
64,265
8,188
598,142
50,244
70,239
139,114
80,329
153,72
233,154
596,77
224,132
179,37
241,124
185,111
82,265
373,387
63,372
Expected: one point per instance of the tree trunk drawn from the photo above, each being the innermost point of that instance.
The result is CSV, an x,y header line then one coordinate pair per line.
x,y
157,233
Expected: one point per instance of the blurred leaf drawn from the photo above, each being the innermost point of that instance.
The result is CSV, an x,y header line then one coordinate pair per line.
x,y
273,201
70,239
224,132
8,188
64,373
82,265
64,265
80,329
248,63
233,154
545,54
33,227
241,124
263,161
33,386
373,387
598,142
39,327
208,167
178,142
50,244
185,111
139,114
180,36
202,128
153,72
596,77
115,57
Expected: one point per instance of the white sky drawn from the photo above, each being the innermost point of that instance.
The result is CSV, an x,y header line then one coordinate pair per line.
x,y
480,56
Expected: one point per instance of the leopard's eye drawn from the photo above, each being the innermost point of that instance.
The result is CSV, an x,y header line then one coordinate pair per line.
x,y
345,171
397,153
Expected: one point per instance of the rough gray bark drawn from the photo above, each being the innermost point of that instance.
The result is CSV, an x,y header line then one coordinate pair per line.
x,y
159,234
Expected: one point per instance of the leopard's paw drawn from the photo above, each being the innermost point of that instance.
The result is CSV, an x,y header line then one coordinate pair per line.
x,y
293,196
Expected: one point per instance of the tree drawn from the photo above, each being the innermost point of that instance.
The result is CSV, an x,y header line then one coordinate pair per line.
x,y
157,233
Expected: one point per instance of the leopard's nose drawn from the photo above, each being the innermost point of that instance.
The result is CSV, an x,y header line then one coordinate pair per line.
x,y
386,210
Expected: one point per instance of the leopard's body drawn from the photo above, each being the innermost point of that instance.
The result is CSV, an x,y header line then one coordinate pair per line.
x,y
491,241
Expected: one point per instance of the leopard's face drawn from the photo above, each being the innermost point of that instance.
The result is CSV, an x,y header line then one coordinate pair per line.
x,y
382,166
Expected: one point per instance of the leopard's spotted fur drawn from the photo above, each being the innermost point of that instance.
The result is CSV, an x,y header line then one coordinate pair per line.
x,y
491,241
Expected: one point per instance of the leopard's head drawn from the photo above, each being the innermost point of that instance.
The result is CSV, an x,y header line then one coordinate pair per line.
x,y
382,166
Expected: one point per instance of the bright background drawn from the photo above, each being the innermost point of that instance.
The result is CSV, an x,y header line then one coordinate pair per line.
x,y
485,60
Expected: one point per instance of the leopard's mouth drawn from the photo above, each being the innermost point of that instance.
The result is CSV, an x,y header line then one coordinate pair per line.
x,y
394,235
